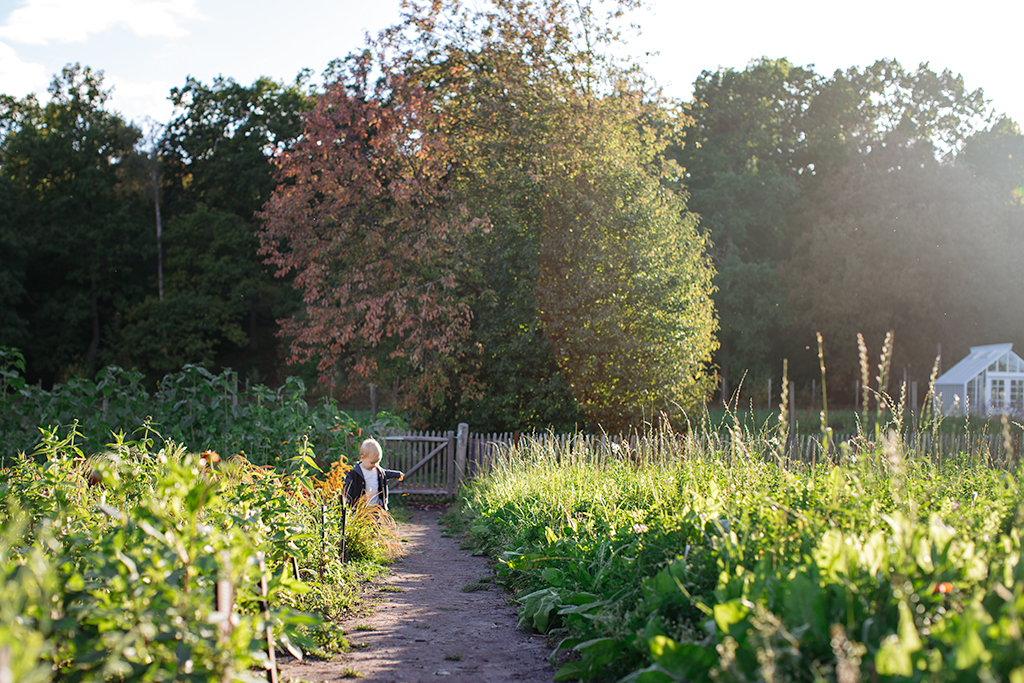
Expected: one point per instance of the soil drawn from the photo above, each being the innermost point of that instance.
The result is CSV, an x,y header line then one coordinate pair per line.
x,y
424,626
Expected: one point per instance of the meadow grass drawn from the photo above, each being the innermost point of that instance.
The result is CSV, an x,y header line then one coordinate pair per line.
x,y
675,559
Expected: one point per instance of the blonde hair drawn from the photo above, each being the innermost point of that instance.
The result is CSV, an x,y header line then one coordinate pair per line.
x,y
369,449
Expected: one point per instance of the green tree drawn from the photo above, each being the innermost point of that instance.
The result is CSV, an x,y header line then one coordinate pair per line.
x,y
65,163
764,141
14,245
745,154
214,158
592,277
217,147
997,156
209,285
927,251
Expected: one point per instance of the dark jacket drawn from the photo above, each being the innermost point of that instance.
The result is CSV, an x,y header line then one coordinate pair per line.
x,y
355,484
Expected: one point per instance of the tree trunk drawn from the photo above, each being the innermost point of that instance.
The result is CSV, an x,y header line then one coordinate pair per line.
x,y
94,344
254,322
159,235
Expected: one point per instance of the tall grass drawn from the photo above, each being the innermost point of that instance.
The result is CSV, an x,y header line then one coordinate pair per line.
x,y
682,557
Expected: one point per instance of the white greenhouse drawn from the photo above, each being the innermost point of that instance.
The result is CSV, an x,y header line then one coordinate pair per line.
x,y
990,380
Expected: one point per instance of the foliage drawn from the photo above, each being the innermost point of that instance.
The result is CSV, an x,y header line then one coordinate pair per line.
x,y
214,159
886,249
193,407
216,150
110,563
370,170
67,164
77,187
774,144
997,155
670,560
212,282
563,225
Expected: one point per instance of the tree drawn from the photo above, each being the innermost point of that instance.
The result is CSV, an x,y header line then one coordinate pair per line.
x,y
214,158
216,150
574,243
212,275
364,220
996,155
14,245
763,143
564,149
624,289
746,153
928,252
66,164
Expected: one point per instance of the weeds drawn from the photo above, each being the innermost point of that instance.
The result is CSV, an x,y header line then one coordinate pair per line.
x,y
481,584
686,558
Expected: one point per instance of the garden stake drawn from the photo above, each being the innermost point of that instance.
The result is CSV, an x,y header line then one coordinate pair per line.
x,y
344,520
323,539
224,601
295,567
265,606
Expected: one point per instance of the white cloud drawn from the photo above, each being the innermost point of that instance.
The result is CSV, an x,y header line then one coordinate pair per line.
x,y
40,22
136,101
19,78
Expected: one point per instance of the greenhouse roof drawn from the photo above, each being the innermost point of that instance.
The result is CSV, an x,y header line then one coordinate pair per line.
x,y
975,362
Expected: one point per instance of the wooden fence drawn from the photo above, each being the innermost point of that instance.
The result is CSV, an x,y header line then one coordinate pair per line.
x,y
436,462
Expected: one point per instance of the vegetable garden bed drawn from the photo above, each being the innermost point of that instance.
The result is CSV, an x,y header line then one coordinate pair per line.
x,y
655,565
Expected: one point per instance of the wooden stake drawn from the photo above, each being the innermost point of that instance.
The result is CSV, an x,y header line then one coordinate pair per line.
x,y
265,606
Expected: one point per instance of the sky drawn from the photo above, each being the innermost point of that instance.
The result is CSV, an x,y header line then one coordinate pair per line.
x,y
147,47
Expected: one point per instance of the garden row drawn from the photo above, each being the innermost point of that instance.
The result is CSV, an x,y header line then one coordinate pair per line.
x,y
193,407
111,565
655,565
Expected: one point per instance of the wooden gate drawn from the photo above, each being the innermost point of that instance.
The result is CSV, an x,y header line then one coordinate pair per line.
x,y
433,462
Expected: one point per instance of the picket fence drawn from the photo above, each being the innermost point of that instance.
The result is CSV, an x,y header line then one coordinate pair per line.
x,y
437,462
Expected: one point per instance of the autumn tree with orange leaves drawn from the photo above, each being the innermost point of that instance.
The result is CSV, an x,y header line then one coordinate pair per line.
x,y
495,221
364,218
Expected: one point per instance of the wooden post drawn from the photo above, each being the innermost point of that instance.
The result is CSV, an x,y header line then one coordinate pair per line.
x,y
373,401
224,605
344,523
792,411
265,607
769,393
461,446
323,539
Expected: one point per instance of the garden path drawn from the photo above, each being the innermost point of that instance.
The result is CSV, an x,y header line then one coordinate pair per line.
x,y
427,628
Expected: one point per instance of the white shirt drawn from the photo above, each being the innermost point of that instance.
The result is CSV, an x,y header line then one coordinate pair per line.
x,y
372,485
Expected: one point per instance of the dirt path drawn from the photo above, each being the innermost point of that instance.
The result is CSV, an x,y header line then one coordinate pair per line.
x,y
425,626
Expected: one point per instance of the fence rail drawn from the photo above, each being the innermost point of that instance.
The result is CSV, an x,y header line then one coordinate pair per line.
x,y
998,449
435,463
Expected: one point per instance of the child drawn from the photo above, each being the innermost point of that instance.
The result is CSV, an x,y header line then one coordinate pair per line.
x,y
369,478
